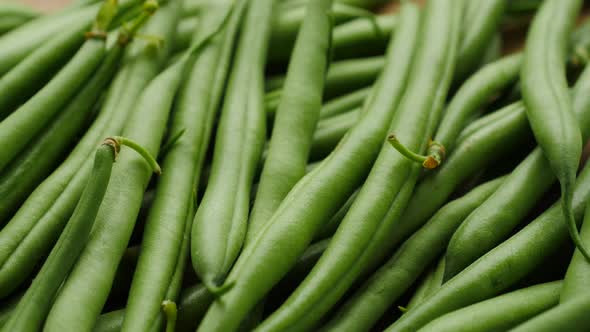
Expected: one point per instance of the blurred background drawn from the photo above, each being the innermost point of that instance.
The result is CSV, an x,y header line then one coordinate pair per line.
x,y
45,5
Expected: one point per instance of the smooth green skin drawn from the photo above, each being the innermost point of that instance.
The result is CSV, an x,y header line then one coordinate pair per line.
x,y
473,94
331,226
185,32
345,103
343,77
36,226
166,225
115,221
522,6
296,119
499,313
549,107
482,17
19,128
569,316
21,82
219,227
355,244
330,131
385,286
494,220
472,154
44,153
18,43
33,307
503,266
429,285
488,120
577,279
316,197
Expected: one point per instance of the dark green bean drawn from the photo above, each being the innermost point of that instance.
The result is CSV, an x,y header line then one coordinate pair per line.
x,y
33,307
431,282
32,165
37,224
219,227
377,294
166,225
121,203
499,313
549,107
294,128
318,195
501,267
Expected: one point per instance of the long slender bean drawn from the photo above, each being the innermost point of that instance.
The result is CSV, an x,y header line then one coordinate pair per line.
x,y
318,195
569,316
166,225
576,278
549,106
297,116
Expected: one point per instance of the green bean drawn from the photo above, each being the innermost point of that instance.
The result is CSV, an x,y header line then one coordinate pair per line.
x,y
166,224
495,219
28,76
17,44
184,33
519,6
499,313
358,245
37,224
377,294
43,153
219,227
294,128
576,278
318,195
501,267
33,307
122,200
22,125
482,18
15,9
345,103
569,316
8,23
549,106
343,76
329,132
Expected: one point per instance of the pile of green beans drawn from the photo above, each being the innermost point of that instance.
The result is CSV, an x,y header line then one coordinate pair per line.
x,y
322,165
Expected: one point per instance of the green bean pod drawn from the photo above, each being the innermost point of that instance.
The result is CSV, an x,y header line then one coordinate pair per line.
x,y
370,302
28,76
37,224
33,307
318,195
343,77
294,128
21,126
496,218
219,227
166,227
548,104
357,245
331,226
14,9
482,19
8,23
569,316
40,157
577,276
501,267
116,218
499,313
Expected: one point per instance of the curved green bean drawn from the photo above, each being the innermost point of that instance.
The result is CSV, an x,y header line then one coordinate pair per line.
x,y
569,316
577,276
